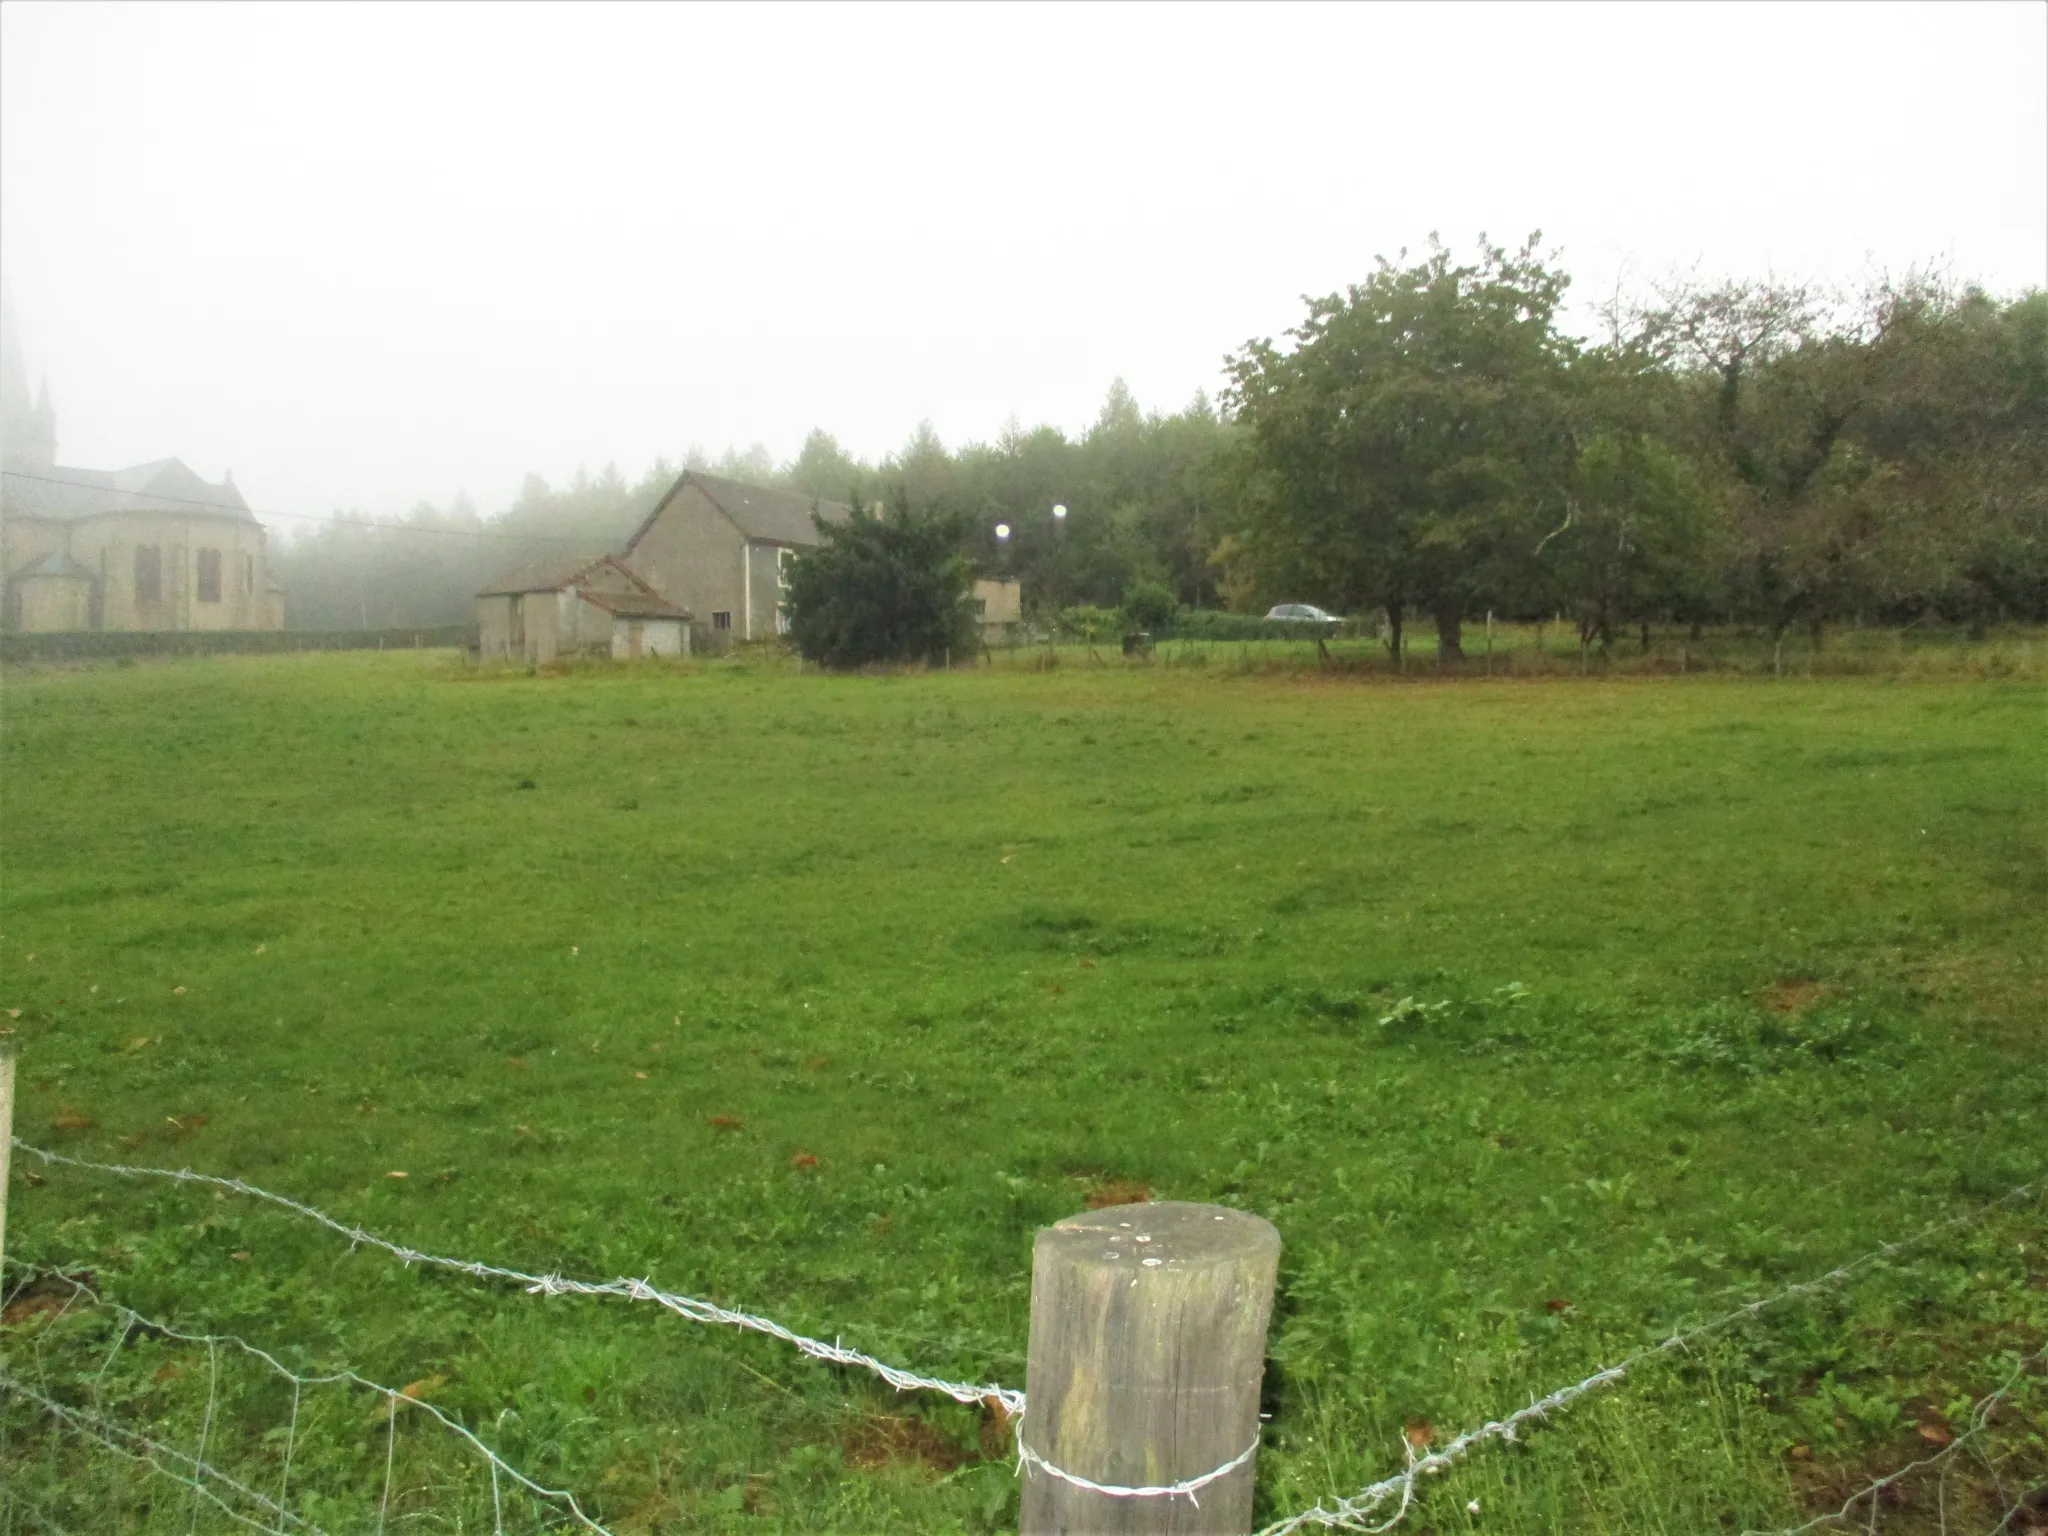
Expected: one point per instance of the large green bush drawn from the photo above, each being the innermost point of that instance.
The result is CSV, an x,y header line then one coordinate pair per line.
x,y
882,588
1148,605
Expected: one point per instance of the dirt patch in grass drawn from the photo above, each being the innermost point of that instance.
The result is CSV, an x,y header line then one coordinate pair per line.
x,y
1795,994
42,1297
880,1441
1107,1192
26,1309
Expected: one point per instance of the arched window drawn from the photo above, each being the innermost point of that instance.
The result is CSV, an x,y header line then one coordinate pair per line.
x,y
209,576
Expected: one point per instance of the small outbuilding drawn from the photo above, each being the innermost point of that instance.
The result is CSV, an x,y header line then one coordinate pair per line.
x,y
588,606
998,610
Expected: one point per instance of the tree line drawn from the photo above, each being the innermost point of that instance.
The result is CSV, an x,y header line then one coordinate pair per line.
x,y
1431,445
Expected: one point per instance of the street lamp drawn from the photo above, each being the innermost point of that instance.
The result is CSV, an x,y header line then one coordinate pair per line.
x,y
1059,514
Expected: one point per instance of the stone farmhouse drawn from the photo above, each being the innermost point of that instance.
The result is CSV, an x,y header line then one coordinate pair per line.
x,y
712,556
720,549
154,547
578,605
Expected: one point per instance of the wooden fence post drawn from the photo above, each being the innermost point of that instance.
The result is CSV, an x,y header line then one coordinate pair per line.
x,y
6,1134
1148,1343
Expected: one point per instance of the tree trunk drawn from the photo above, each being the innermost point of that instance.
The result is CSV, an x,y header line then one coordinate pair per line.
x,y
1394,632
1449,614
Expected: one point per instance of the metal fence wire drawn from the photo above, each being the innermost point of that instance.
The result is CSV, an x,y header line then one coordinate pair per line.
x,y
1379,1507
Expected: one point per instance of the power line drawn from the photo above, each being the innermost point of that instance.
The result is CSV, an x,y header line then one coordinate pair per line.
x,y
329,521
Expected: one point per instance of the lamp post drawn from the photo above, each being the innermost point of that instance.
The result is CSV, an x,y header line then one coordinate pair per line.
x,y
1059,543
1003,544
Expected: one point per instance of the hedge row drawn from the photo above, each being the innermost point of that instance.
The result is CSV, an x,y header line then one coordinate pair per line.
x,y
1213,624
224,642
1107,625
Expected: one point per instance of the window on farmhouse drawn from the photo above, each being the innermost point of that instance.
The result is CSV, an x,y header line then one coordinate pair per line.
x,y
209,576
248,573
721,621
782,559
149,573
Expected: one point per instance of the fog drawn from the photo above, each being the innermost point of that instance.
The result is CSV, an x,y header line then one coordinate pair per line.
x,y
363,256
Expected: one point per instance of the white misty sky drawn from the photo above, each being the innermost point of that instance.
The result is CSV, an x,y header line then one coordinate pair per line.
x,y
364,255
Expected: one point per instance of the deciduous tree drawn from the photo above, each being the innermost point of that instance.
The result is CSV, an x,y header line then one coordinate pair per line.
x,y
1404,449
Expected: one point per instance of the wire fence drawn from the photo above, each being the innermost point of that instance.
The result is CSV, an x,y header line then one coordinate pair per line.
x,y
207,1481
1356,1513
1863,1506
1377,1508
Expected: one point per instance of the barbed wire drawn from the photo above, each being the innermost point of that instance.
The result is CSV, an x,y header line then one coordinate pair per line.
x,y
394,1397
1006,1400
1354,1513
1980,1422
694,1308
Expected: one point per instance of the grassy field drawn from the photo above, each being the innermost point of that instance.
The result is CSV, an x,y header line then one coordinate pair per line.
x,y
1541,1017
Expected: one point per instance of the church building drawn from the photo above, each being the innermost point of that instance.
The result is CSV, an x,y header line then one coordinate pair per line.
x,y
154,547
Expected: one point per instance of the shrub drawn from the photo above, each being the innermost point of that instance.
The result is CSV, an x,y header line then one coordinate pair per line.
x,y
1092,626
1211,624
882,588
1148,606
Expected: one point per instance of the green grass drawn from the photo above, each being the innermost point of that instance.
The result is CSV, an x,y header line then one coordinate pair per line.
x,y
1698,987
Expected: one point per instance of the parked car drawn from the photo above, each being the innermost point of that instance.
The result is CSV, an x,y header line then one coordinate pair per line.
x,y
1301,613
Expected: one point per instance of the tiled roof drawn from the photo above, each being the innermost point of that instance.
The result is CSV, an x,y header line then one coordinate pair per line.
x,y
166,485
635,605
780,517
549,576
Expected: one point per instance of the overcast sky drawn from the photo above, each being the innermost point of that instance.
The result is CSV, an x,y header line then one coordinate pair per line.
x,y
368,254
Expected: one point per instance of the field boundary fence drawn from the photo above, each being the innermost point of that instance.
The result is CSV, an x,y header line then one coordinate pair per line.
x,y
114,645
1379,1507
1979,1425
198,1471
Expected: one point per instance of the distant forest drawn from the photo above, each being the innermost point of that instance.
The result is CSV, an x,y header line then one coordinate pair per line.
x,y
1429,445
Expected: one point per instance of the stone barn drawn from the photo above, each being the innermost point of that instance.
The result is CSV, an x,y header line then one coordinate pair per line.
x,y
721,549
579,607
